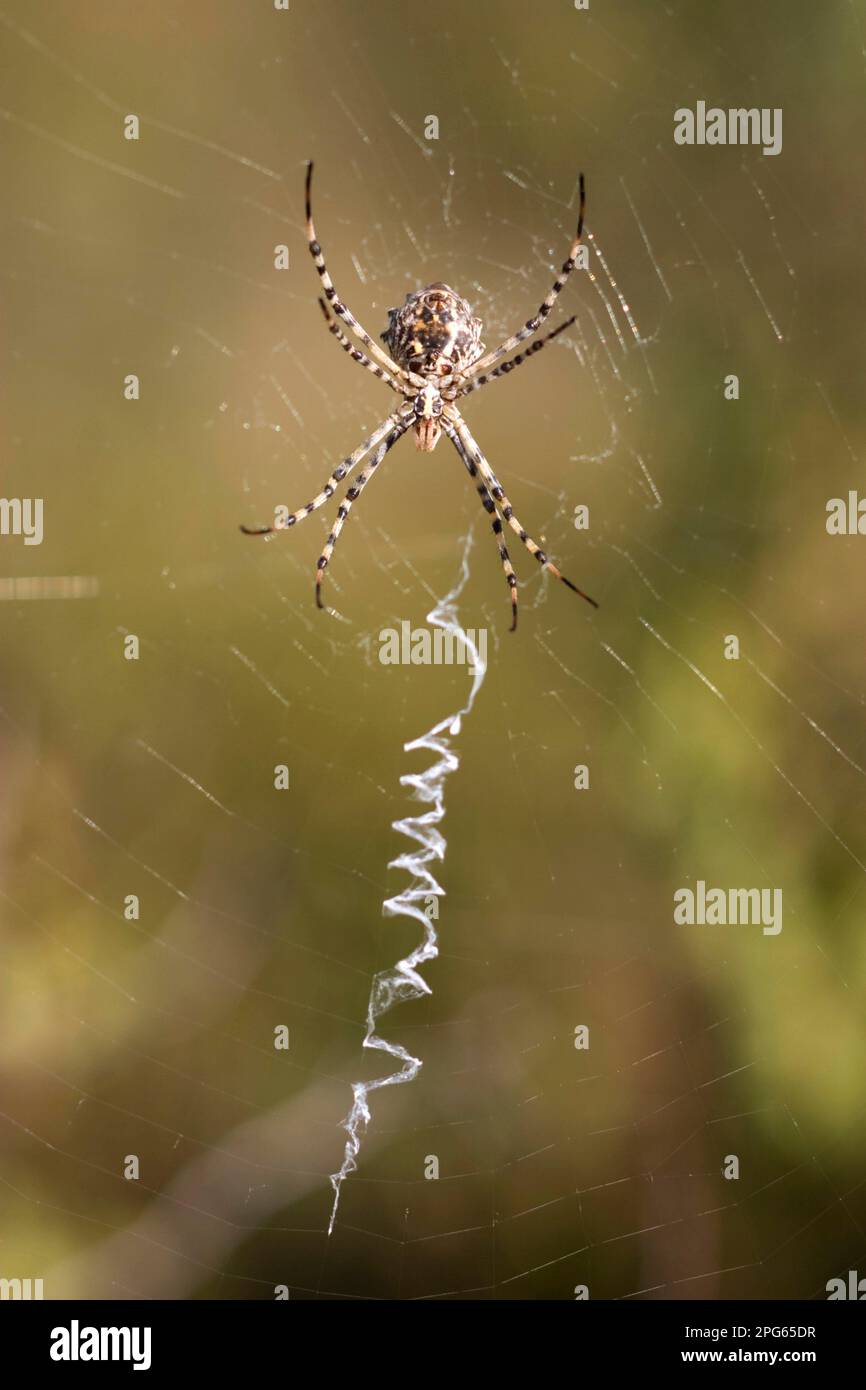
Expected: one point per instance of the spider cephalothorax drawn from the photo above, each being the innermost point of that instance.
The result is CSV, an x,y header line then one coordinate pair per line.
x,y
437,356
427,408
434,333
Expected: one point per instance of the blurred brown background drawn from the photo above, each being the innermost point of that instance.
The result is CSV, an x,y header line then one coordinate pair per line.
x,y
155,777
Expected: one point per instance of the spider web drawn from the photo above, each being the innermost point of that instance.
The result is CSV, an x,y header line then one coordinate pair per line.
x,y
515,1164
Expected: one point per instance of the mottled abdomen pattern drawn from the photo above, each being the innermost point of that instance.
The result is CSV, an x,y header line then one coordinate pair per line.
x,y
434,332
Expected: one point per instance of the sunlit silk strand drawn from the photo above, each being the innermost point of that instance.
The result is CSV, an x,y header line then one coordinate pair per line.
x,y
402,981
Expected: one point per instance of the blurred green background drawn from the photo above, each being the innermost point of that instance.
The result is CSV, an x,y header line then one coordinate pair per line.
x,y
154,777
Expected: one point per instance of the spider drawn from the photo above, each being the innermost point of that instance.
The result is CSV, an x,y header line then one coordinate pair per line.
x,y
436,356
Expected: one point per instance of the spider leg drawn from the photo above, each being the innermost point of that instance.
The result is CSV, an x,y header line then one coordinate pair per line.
x,y
532,325
335,302
353,493
500,498
331,485
358,356
476,382
490,507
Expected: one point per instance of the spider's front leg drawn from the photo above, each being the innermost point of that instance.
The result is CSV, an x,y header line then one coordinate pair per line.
x,y
498,494
490,507
330,487
354,492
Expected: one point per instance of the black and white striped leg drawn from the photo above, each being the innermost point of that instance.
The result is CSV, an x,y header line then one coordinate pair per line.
x,y
499,497
532,325
358,356
339,473
490,507
331,295
506,367
353,493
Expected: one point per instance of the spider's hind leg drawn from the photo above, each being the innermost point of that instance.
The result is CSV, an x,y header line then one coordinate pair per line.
x,y
356,354
532,325
340,309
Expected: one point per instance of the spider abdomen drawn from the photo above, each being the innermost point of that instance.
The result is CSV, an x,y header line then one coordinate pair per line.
x,y
434,332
